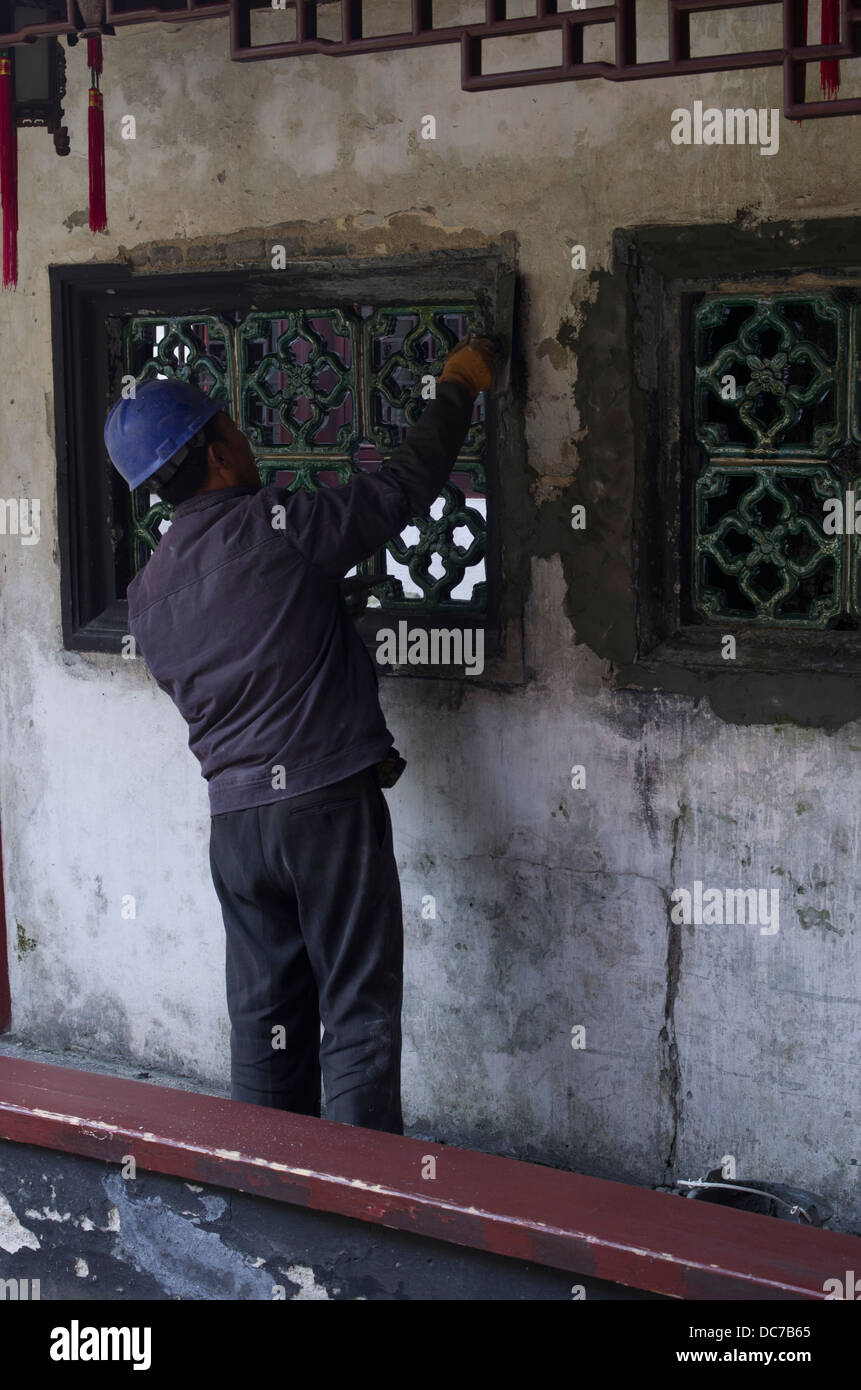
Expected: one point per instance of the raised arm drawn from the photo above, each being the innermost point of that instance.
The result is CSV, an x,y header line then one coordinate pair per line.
x,y
336,527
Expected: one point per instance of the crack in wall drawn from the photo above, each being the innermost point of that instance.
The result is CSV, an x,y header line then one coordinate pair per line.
x,y
671,1072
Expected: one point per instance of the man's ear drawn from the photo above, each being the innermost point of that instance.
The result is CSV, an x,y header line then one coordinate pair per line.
x,y
215,456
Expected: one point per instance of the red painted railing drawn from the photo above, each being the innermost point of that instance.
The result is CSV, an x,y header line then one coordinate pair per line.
x,y
606,1230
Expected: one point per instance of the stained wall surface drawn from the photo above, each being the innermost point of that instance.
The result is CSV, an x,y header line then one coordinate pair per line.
x,y
552,904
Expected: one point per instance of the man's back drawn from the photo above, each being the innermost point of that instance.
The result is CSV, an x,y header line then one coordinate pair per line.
x,y
257,650
240,618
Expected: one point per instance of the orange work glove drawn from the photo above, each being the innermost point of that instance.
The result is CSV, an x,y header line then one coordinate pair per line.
x,y
471,363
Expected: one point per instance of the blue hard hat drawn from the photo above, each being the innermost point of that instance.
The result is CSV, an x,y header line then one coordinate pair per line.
x,y
146,430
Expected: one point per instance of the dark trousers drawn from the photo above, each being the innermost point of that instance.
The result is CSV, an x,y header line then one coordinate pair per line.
x,y
311,902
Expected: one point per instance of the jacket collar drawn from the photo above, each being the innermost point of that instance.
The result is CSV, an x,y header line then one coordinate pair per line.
x,y
209,499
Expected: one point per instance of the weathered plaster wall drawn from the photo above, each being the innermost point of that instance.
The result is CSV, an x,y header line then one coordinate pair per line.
x,y
552,904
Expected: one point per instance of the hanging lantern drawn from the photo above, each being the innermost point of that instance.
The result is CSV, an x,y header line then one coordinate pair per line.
x,y
39,70
92,13
32,87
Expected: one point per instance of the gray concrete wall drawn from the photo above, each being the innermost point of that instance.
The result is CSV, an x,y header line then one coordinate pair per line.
x,y
552,904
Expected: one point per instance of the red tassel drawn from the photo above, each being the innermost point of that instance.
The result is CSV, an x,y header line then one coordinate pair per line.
x,y
96,138
803,40
8,171
94,54
829,71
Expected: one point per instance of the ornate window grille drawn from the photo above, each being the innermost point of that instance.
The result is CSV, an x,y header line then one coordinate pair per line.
x,y
776,416
324,365
712,442
322,394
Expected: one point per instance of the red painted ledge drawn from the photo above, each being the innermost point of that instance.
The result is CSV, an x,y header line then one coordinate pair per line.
x,y
607,1230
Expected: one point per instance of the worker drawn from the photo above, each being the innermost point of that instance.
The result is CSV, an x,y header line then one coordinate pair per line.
x,y
241,620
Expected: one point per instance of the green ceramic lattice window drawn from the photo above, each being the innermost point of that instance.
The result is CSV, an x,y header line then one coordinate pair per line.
x,y
321,393
776,402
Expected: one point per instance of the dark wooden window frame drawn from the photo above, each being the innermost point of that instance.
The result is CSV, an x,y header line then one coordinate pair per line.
x,y
637,455
92,499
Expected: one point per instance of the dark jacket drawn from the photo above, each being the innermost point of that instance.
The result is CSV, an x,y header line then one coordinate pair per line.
x,y
239,616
